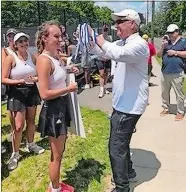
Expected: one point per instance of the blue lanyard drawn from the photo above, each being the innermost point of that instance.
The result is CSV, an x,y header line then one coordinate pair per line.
x,y
83,45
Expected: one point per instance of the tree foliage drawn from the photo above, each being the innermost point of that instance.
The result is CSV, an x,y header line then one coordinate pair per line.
x,y
27,13
168,12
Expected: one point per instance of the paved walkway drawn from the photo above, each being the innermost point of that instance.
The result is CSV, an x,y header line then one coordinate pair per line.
x,y
159,145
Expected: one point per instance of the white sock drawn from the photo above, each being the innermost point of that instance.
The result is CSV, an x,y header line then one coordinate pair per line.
x,y
15,153
101,89
55,190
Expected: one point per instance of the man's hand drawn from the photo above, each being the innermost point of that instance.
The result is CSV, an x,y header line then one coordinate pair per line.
x,y
171,52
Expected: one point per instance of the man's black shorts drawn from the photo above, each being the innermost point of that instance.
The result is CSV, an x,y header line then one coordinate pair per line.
x,y
106,65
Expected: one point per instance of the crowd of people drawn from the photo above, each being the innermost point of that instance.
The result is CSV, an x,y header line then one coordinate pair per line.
x,y
42,76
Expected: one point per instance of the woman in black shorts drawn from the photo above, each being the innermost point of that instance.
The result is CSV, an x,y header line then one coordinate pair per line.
x,y
19,72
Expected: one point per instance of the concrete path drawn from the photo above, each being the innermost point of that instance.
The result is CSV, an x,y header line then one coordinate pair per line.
x,y
158,146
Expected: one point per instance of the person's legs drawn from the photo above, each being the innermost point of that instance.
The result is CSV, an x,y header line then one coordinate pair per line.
x,y
30,130
87,77
166,87
57,148
101,82
19,118
177,84
122,126
107,74
101,68
149,72
131,172
30,123
130,163
12,125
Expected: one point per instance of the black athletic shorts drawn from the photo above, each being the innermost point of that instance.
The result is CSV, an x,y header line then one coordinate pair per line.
x,y
106,65
23,96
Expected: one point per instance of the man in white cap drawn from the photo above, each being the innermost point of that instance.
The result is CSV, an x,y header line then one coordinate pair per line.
x,y
173,53
130,91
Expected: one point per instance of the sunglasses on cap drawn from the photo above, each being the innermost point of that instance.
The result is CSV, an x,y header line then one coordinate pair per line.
x,y
22,40
121,21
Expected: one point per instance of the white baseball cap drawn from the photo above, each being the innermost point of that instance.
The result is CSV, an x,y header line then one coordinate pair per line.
x,y
171,28
19,35
129,14
13,31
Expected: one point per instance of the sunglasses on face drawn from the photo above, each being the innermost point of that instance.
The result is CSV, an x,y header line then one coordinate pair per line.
x,y
170,33
22,40
118,22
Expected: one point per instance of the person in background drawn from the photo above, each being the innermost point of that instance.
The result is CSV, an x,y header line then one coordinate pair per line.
x,y
104,66
87,70
54,116
64,33
66,50
5,52
152,51
75,36
69,47
19,73
173,53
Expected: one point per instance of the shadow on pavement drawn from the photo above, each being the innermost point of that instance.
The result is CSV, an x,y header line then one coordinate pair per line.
x,y
86,171
146,165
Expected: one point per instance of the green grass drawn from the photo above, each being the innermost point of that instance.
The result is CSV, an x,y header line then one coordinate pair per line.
x,y
184,85
85,163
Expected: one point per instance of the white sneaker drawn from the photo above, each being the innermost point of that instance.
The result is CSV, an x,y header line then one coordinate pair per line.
x,y
35,148
101,94
3,149
87,86
106,91
13,162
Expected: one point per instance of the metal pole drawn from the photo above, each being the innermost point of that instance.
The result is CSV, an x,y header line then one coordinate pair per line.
x,y
152,22
147,17
79,17
39,12
98,26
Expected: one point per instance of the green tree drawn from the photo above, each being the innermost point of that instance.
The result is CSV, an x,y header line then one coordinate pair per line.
x,y
26,13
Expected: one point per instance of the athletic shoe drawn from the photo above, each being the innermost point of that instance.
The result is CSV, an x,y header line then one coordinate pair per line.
x,y
3,149
35,148
13,162
101,94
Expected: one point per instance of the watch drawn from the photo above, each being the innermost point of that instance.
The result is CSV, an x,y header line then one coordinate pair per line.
x,y
176,53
